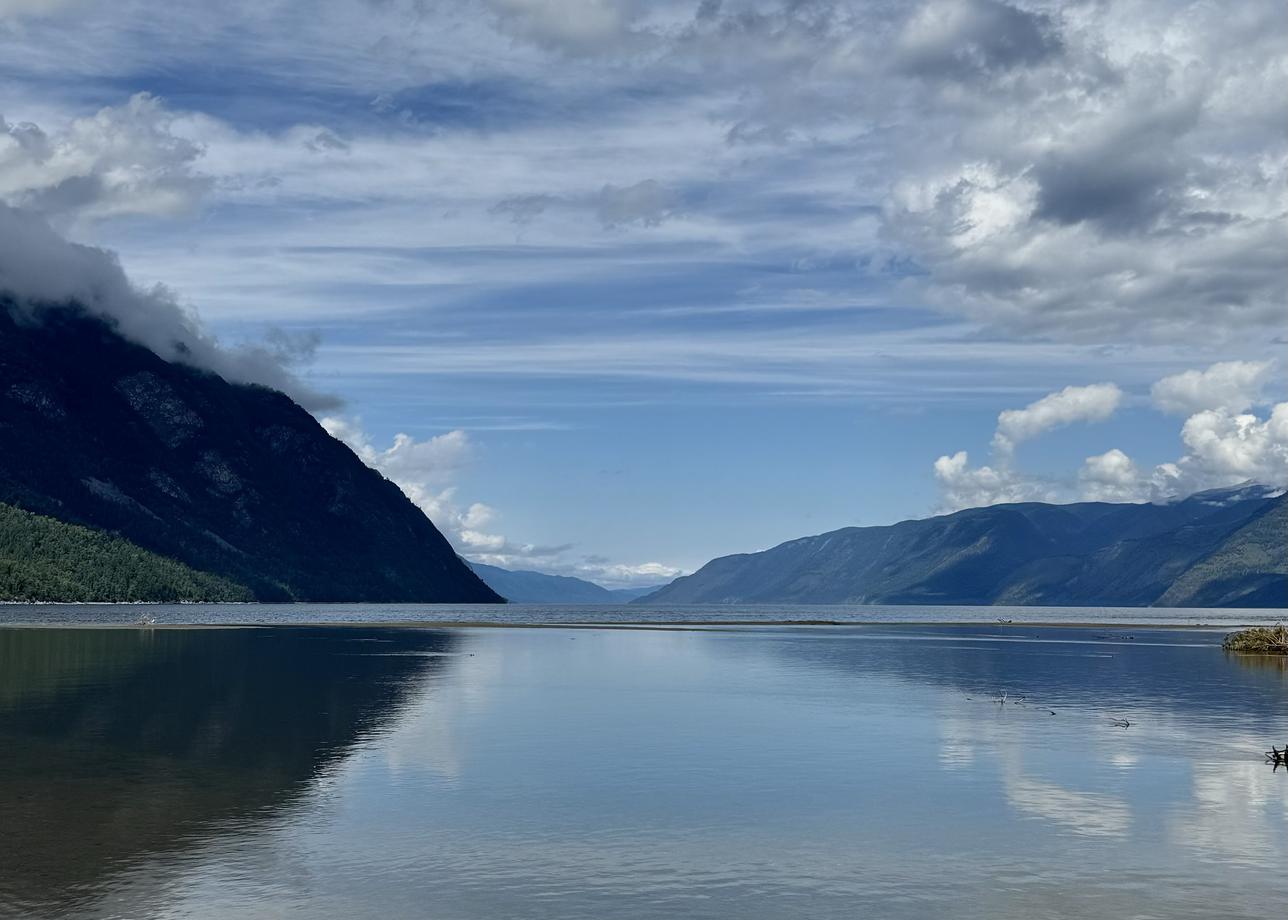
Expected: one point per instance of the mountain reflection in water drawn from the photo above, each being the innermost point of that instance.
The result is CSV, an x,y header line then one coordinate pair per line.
x,y
122,743
734,772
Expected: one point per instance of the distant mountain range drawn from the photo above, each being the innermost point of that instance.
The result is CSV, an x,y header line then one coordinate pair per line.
x,y
1227,548
524,587
127,477
124,476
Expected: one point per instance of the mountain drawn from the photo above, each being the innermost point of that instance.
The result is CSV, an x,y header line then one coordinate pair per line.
x,y
1223,548
525,587
230,480
42,558
626,595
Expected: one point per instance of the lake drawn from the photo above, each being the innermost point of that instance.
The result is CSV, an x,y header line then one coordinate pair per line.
x,y
891,771
526,614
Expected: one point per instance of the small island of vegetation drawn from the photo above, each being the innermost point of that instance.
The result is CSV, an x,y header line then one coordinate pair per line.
x,y
1259,640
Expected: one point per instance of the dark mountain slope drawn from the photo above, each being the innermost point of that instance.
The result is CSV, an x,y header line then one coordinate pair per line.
x,y
1081,554
229,479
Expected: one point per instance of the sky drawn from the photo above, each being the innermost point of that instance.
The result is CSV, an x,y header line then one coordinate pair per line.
x,y
612,288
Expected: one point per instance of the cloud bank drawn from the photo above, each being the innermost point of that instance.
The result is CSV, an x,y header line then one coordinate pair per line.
x,y
40,270
1224,444
123,160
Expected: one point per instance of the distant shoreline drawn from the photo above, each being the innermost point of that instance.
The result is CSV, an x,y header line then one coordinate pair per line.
x,y
658,625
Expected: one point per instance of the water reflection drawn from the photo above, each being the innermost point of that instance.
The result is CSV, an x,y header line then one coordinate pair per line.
x,y
124,744
748,773
1174,674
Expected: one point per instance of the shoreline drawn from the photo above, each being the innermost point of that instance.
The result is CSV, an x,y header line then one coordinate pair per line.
x,y
675,625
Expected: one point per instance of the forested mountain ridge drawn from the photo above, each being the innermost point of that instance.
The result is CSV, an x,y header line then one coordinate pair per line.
x,y
1223,548
45,559
233,480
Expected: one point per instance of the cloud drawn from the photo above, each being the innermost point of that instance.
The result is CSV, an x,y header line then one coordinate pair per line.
x,y
1093,403
1101,191
123,160
1222,449
1229,385
567,26
40,270
959,38
436,461
961,486
1110,477
523,209
1223,446
645,203
426,472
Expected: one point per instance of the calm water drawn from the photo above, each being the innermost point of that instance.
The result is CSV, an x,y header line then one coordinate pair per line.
x,y
516,614
767,772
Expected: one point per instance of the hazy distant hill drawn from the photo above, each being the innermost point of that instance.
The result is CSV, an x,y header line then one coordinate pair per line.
x,y
524,587
231,480
1222,548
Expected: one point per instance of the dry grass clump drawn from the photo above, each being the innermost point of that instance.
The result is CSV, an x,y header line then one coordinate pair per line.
x,y
1260,640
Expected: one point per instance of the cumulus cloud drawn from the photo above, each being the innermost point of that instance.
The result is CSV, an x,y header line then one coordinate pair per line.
x,y
962,486
436,461
1110,477
1222,449
1230,385
1225,448
1093,403
426,471
1223,445
1096,191
122,160
40,270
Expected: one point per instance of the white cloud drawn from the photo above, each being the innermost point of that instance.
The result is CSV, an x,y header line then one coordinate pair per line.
x,y
962,486
1231,386
1111,477
426,472
1093,403
436,461
1116,181
1224,446
122,160
40,270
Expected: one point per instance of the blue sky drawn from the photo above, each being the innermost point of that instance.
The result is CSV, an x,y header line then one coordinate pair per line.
x,y
647,283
